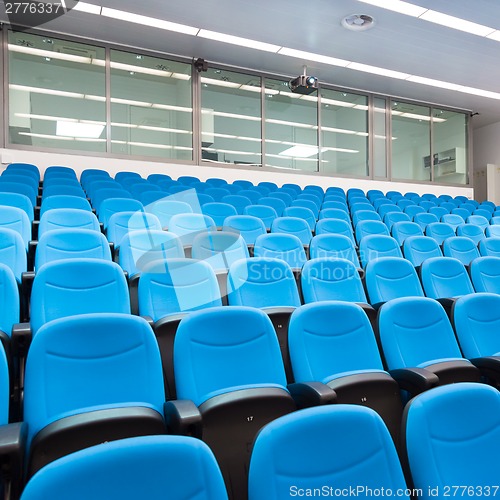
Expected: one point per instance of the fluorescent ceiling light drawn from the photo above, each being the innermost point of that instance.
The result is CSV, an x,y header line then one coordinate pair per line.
x,y
49,53
82,130
148,21
140,69
171,107
236,40
130,102
375,70
398,6
291,124
456,23
88,8
39,90
220,83
148,145
300,151
433,83
494,36
310,56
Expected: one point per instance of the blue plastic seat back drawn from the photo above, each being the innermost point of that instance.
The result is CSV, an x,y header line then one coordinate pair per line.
x,y
66,218
294,187
392,217
316,198
281,246
333,246
172,286
373,194
439,231
366,227
404,229
327,279
311,205
437,211
483,213
266,213
478,220
415,332
418,248
485,274
334,203
189,179
463,212
77,286
73,189
302,213
375,246
424,219
358,204
28,168
444,277
388,278
16,219
361,215
89,175
243,183
413,210
111,206
475,233
461,248
104,193
335,226
61,244
272,186
11,175
403,203
490,247
285,197
237,201
165,209
122,223
322,350
225,349
469,206
248,226
9,316
293,225
219,211
253,195
492,231
262,282
355,192
139,248
18,200
453,220
120,176
64,201
91,361
327,445
137,190
335,213
427,204
383,210
7,186
13,252
98,184
219,248
188,226
378,202
448,426
217,193
215,181
448,205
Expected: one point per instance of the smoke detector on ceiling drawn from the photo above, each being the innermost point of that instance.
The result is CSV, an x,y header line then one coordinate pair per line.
x,y
358,22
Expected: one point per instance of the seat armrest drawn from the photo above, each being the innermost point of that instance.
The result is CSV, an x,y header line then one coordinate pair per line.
x,y
415,380
149,319
12,449
250,247
27,279
447,304
489,367
307,394
183,418
34,227
21,339
31,254
112,250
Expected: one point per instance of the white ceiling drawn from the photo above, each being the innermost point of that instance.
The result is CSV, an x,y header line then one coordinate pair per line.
x,y
397,42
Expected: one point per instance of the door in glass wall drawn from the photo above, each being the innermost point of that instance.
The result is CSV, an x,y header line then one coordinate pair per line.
x,y
449,147
344,133
291,128
231,120
410,142
151,107
56,93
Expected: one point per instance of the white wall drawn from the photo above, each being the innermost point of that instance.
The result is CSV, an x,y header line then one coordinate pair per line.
x,y
113,165
486,151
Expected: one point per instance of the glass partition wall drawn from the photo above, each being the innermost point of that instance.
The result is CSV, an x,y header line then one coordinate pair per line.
x,y
67,95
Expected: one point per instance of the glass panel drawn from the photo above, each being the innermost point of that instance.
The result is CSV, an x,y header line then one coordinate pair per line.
x,y
291,128
344,133
379,138
56,93
151,108
450,147
410,142
231,117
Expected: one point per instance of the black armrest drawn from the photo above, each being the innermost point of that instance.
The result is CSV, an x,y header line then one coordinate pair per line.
x,y
183,417
447,304
27,279
149,319
12,447
221,276
457,370
415,380
101,227
112,250
21,339
188,251
31,253
307,394
34,226
371,312
133,288
489,366
251,249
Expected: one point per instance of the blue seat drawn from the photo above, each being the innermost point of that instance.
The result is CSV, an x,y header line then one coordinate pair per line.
x,y
188,225
301,213
111,206
154,178
415,333
424,219
475,233
388,278
215,181
104,193
283,246
217,193
358,204
335,213
284,196
149,197
276,203
219,249
448,205
16,219
483,213
89,175
306,203
343,355
373,194
490,247
165,209
383,210
405,229
266,213
248,226
335,226
294,187
313,196
237,201
67,218
453,220
154,465
361,215
478,220
485,274
293,225
243,183
252,382
9,316
439,231
121,176
392,217
21,187
491,231
16,176
367,227
437,211
413,210
461,248
25,167
419,248
463,212
427,205
18,200
218,211
334,203
64,201
253,195
378,245
444,277
13,252
73,189
378,202
402,203
457,429
77,286
122,223
189,179
61,244
333,246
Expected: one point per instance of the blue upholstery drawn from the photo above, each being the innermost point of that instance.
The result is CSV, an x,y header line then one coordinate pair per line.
x,y
424,219
478,220
326,279
177,285
73,189
444,277
388,278
301,213
418,248
293,225
492,231
285,197
9,316
187,226
111,206
61,244
383,210
453,220
7,186
281,246
463,212
490,247
226,349
66,218
311,205
218,211
392,217
262,282
139,248
360,215
276,203
413,210
18,200
404,229
104,193
461,248
217,193
485,274
263,212
16,219
415,332
335,226
77,286
248,226
167,208
334,202
334,213
452,439
89,362
366,227
253,195
483,213
374,246
327,446
64,201
294,187
26,167
475,233
122,223
438,211
13,252
243,183
333,246
237,201
219,248
439,231
154,466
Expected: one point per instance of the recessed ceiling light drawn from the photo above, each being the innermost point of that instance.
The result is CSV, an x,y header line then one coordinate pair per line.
x,y
358,22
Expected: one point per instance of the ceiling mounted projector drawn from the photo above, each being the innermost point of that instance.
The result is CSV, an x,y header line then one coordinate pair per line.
x,y
304,84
